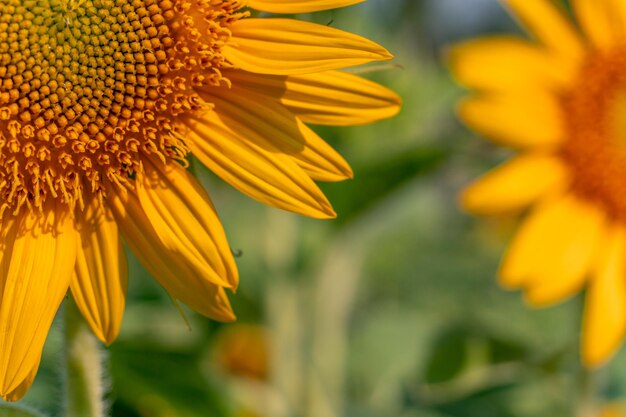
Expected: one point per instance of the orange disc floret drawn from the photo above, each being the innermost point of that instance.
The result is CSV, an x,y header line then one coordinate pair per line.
x,y
596,149
88,88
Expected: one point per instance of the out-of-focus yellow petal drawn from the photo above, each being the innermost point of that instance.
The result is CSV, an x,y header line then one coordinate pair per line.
x,y
176,275
604,319
37,262
263,174
101,273
298,6
186,222
508,64
603,21
531,120
24,386
326,98
543,19
286,46
515,184
267,123
553,250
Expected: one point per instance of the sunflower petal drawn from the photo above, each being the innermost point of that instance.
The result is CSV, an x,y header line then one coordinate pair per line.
x,y
270,177
604,21
287,46
515,184
186,221
604,319
36,267
543,19
520,121
176,275
24,386
101,273
508,64
298,6
327,98
553,250
267,123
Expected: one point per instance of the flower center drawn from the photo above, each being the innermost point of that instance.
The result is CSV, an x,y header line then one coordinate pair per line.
x,y
90,88
595,115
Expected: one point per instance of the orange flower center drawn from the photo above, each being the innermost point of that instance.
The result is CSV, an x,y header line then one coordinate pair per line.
x,y
595,115
90,88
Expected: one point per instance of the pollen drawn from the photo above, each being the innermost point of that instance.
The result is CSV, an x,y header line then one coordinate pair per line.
x,y
595,148
90,89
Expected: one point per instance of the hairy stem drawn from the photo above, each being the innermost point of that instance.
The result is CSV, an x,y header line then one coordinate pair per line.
x,y
84,388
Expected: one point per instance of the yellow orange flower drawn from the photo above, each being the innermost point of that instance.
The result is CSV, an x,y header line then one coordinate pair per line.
x,y
101,104
243,350
559,100
613,410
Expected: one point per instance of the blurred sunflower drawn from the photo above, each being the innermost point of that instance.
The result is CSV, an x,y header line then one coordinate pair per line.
x,y
101,103
561,102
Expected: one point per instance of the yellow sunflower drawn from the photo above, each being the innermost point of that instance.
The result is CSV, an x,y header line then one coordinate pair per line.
x,y
559,100
102,102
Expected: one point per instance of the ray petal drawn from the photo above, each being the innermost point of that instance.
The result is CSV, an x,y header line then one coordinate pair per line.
x,y
186,222
553,250
603,21
263,174
264,121
36,267
25,385
515,184
326,98
178,276
101,273
530,120
287,46
604,319
298,6
549,25
508,64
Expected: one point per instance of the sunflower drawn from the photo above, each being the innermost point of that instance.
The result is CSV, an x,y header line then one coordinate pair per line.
x,y
560,102
102,103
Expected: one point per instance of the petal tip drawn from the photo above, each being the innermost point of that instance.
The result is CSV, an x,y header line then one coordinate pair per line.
x,y
593,359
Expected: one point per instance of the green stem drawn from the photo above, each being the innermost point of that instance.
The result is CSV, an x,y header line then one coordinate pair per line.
x,y
84,391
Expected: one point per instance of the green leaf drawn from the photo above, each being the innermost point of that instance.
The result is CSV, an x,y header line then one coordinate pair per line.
x,y
11,410
448,357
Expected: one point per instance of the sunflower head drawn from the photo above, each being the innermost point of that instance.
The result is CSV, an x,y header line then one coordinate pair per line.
x,y
103,102
91,88
560,101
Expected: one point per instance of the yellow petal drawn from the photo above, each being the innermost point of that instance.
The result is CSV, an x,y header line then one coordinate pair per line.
x,y
37,263
24,386
101,273
287,46
543,19
266,122
515,184
263,174
528,120
604,21
604,319
298,6
553,250
186,222
508,64
175,274
325,98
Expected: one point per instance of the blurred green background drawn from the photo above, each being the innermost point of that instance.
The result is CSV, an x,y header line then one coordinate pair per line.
x,y
391,310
